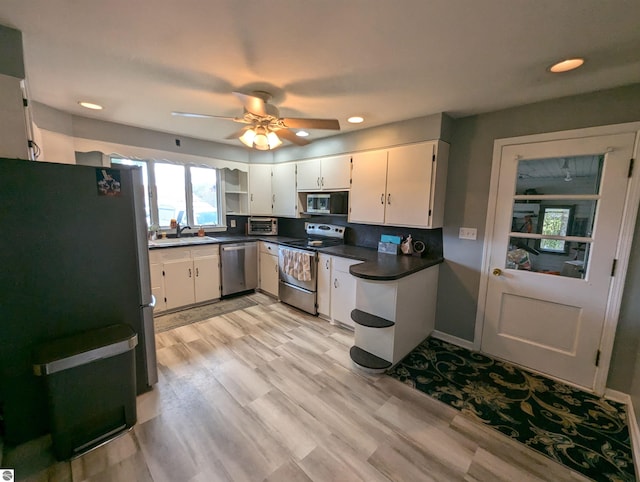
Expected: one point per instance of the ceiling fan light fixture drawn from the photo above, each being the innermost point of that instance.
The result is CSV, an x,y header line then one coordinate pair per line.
x,y
248,137
274,140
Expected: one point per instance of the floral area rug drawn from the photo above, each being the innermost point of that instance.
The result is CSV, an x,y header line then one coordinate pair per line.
x,y
581,431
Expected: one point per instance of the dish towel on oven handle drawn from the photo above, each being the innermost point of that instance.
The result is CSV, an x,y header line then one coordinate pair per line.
x,y
297,264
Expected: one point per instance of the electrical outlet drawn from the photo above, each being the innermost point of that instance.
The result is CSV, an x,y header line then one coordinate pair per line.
x,y
468,233
233,223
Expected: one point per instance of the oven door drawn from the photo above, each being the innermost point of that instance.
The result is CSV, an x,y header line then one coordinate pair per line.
x,y
288,257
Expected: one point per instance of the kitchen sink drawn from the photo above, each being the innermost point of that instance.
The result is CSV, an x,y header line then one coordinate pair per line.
x,y
183,241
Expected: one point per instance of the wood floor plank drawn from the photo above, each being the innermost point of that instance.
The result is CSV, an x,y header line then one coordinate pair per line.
x,y
269,393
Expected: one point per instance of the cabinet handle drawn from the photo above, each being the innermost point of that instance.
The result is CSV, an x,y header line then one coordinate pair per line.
x,y
251,197
335,282
327,263
189,272
197,272
318,181
388,198
276,268
322,181
274,198
382,198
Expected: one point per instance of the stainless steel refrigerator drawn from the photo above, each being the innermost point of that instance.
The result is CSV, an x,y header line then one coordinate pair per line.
x,y
73,257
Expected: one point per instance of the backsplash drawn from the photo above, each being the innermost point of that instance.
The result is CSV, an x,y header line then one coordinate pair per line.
x,y
364,235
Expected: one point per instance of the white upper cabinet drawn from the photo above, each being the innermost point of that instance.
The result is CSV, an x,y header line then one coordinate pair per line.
x,y
325,174
368,187
283,186
408,185
401,186
260,197
272,190
309,175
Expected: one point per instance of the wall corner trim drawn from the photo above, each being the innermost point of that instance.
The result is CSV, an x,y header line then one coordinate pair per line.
x,y
454,340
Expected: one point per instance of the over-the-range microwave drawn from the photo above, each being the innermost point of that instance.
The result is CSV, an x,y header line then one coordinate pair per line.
x,y
327,203
263,226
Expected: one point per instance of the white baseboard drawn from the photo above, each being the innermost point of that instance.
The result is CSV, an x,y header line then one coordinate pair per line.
x,y
454,340
632,423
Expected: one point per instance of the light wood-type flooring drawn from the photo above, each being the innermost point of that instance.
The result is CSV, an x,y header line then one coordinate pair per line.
x,y
269,393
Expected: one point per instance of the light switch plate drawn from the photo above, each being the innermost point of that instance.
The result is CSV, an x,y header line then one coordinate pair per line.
x,y
233,223
468,233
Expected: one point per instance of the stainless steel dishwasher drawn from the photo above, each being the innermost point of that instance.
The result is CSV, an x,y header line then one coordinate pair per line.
x,y
239,267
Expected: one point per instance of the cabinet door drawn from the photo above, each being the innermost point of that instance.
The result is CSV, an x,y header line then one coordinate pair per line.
x,y
178,283
157,286
324,285
260,196
408,199
269,273
368,187
343,297
336,173
207,278
283,185
308,175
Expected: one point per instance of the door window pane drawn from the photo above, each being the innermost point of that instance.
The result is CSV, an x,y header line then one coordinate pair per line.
x,y
553,215
560,175
170,186
205,196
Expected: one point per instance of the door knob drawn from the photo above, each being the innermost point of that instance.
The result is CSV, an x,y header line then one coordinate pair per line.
x,y
497,272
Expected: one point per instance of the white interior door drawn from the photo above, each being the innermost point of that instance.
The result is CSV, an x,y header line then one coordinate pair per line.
x,y
557,221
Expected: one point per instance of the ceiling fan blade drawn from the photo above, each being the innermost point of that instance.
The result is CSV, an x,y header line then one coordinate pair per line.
x,y
255,105
207,116
298,123
238,133
291,137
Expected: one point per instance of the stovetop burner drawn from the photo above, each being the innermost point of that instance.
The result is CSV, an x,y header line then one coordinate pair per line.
x,y
320,236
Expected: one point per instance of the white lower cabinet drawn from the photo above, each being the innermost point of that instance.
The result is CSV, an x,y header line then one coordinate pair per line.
x,y
184,276
404,310
343,291
324,285
268,260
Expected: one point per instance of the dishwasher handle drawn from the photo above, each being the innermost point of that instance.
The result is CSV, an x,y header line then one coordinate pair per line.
x,y
233,248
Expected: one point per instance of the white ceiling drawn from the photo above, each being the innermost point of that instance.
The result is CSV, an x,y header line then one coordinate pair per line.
x,y
387,60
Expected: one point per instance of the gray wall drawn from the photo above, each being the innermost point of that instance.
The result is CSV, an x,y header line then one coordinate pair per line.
x,y
466,205
437,126
55,120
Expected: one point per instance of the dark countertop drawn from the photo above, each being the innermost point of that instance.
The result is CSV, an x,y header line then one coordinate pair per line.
x,y
374,266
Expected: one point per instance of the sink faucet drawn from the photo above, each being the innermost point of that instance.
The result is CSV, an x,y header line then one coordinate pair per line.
x,y
180,229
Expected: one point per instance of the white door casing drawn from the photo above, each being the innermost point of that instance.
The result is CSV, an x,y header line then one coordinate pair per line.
x,y
557,324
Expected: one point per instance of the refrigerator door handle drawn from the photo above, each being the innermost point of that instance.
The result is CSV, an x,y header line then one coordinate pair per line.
x,y
152,304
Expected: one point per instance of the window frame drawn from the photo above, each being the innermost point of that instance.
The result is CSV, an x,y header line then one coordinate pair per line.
x,y
152,194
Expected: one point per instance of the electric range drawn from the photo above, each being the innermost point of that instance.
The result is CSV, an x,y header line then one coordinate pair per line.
x,y
298,265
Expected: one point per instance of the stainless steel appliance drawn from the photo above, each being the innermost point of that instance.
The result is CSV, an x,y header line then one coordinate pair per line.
x,y
327,203
298,286
263,226
74,259
239,267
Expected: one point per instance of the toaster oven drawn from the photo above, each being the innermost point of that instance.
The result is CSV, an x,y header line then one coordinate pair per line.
x,y
263,226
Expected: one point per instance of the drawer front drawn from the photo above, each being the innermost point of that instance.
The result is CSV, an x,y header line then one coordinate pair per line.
x,y
209,250
269,248
342,264
171,254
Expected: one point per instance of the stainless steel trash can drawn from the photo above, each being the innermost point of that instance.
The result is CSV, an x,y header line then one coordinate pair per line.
x,y
90,381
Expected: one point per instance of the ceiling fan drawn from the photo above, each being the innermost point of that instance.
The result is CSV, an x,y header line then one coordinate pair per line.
x,y
264,126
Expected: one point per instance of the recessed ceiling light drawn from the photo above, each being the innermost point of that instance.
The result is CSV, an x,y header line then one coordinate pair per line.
x,y
90,105
566,65
356,119
302,133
